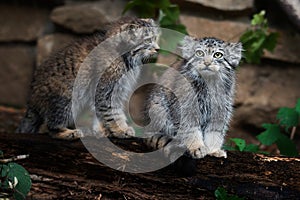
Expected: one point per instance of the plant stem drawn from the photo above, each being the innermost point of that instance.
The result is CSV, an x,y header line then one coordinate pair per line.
x,y
293,133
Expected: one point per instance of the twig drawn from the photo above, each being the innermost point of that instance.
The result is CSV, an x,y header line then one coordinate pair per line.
x,y
7,160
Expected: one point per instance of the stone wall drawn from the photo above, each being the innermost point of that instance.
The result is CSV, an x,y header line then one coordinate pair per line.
x,y
31,31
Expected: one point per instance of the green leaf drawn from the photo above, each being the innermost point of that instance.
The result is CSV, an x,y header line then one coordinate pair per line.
x,y
15,175
252,148
247,36
259,19
253,42
271,41
286,146
170,15
129,6
288,117
176,27
228,147
270,135
258,44
297,107
144,8
221,194
160,4
253,57
257,39
240,143
1,153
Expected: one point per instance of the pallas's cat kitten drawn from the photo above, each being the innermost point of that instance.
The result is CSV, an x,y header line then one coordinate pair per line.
x,y
193,104
50,99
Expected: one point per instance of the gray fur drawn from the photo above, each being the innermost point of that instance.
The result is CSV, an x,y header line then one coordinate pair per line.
x,y
193,104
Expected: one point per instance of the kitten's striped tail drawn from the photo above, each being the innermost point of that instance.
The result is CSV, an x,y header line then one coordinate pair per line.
x,y
171,147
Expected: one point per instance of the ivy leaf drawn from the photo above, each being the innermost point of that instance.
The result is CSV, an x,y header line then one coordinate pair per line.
x,y
270,135
286,146
297,107
240,143
288,117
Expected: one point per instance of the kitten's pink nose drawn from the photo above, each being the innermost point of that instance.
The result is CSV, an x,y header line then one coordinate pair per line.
x,y
207,61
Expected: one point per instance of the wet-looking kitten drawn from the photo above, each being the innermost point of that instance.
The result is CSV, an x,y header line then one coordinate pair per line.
x,y
50,100
193,105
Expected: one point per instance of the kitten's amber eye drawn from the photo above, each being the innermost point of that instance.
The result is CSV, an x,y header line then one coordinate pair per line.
x,y
199,53
218,55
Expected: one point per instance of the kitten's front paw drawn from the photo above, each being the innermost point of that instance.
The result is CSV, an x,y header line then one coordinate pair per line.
x,y
200,152
68,134
219,153
124,132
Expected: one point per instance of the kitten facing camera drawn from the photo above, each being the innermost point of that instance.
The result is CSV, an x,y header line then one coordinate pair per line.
x,y
194,102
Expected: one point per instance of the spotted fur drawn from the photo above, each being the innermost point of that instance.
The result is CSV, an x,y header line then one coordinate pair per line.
x,y
193,105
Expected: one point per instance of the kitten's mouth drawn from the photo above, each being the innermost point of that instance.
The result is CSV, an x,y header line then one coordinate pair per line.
x,y
207,69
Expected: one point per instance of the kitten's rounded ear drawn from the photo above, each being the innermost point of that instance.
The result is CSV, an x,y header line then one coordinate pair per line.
x,y
187,40
149,21
186,46
235,53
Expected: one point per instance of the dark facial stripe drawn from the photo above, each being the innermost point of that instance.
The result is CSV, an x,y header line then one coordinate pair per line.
x,y
233,67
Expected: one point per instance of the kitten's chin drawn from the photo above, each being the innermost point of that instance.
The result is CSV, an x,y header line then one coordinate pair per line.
x,y
207,72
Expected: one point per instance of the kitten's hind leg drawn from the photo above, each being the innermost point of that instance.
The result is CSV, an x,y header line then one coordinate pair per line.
x,y
58,122
30,123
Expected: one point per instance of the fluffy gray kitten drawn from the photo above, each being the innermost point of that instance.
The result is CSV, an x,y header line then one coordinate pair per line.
x,y
193,104
50,100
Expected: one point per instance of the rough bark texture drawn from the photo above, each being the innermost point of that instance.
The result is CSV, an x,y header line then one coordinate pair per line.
x,y
65,170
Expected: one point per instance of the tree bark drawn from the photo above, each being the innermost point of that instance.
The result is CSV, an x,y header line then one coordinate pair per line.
x,y
66,170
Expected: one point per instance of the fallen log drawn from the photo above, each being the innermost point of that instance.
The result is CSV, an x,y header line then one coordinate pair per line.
x,y
66,170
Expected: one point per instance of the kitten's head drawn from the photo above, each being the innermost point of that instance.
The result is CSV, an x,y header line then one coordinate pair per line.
x,y
209,56
141,34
